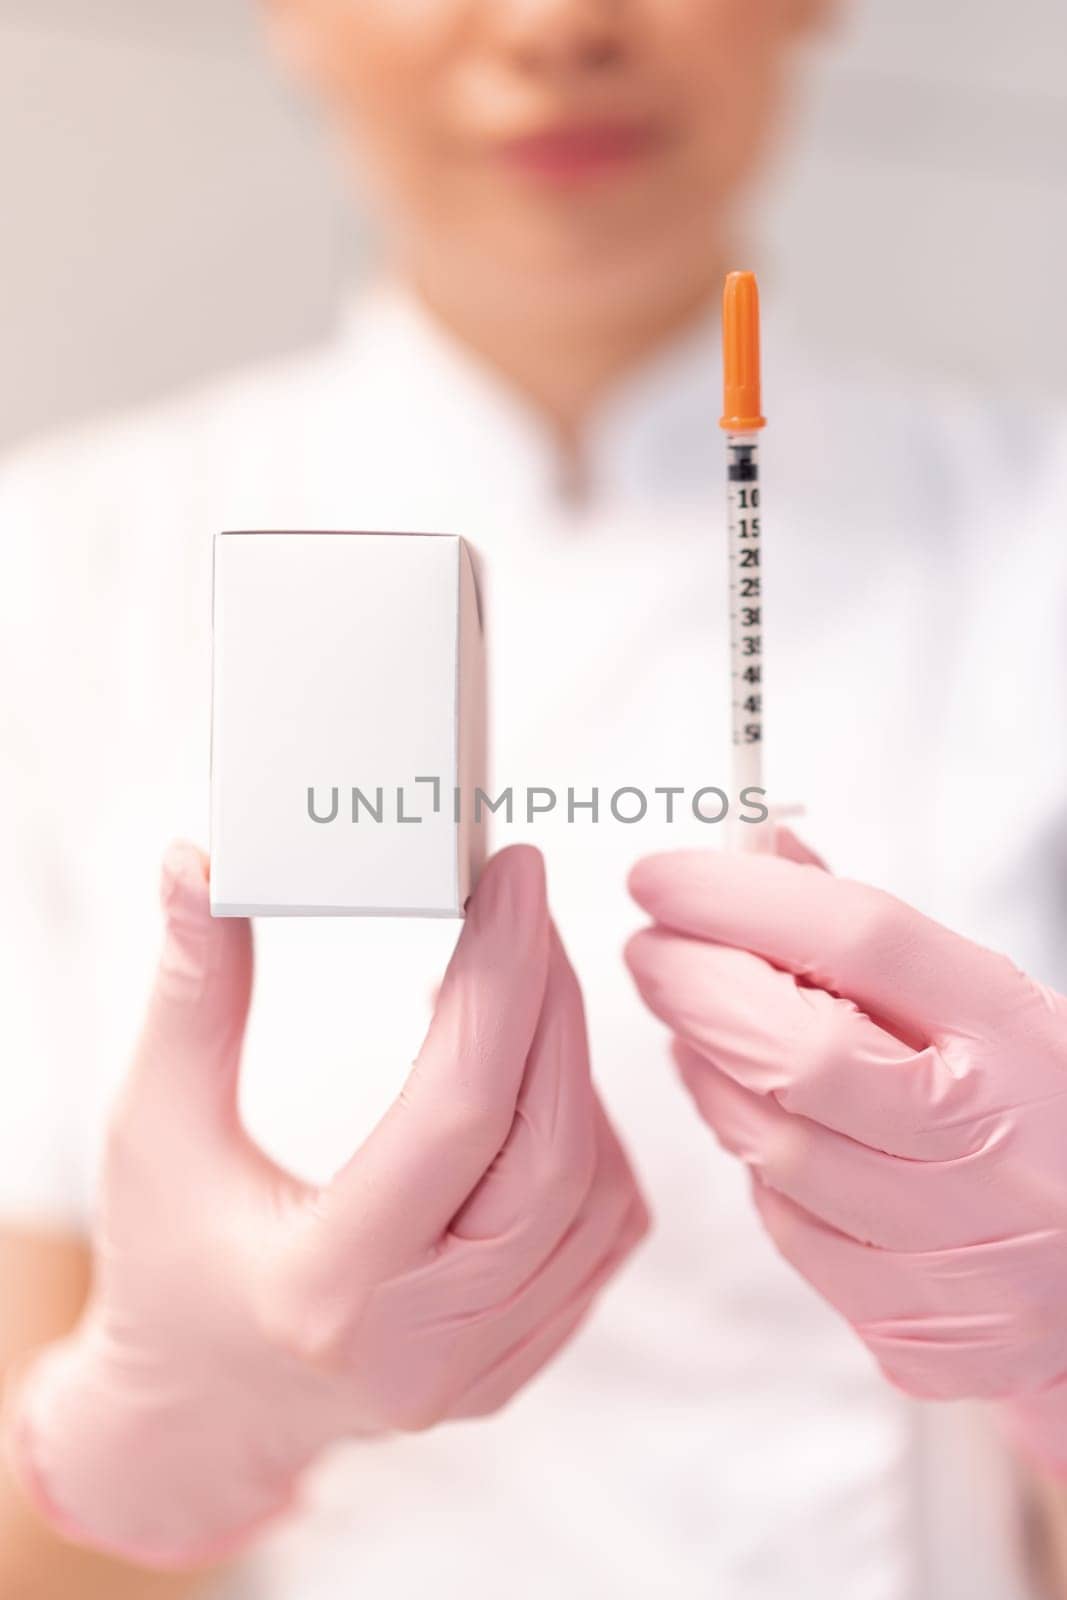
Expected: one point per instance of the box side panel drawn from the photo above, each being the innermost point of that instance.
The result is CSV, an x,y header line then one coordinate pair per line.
x,y
472,842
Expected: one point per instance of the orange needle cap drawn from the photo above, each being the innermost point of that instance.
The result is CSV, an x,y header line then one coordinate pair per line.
x,y
741,406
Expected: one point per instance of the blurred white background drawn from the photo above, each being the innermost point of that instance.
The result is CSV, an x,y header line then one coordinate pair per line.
x,y
171,208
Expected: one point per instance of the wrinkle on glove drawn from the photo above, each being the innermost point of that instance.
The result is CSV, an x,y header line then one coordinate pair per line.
x,y
899,1095
241,1321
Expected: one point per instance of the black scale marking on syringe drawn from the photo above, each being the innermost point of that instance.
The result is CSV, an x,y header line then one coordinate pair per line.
x,y
746,590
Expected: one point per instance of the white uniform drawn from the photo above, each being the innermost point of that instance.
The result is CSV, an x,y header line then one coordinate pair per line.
x,y
715,1431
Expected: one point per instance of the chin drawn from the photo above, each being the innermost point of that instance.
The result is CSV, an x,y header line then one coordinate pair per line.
x,y
590,270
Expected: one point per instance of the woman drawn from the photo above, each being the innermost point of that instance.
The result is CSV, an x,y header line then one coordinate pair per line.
x,y
559,186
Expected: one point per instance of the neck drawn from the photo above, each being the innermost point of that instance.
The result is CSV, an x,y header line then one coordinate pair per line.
x,y
565,356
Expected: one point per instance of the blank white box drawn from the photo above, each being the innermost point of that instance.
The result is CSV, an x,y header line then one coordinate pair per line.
x,y
346,668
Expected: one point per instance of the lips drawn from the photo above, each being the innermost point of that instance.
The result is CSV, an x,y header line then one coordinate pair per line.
x,y
580,150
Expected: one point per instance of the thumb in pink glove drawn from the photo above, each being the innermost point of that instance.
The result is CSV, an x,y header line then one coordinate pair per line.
x,y
241,1321
900,1096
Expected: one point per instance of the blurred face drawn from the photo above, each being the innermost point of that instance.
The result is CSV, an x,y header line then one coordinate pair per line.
x,y
552,149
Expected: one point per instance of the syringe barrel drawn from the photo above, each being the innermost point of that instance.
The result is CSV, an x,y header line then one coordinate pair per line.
x,y
745,555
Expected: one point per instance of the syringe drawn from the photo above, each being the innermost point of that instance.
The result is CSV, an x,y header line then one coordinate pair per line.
x,y
742,421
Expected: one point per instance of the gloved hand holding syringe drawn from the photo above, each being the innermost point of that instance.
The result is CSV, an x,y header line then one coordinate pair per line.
x,y
895,1091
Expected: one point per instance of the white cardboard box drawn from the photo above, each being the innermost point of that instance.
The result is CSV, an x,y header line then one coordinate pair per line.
x,y
347,668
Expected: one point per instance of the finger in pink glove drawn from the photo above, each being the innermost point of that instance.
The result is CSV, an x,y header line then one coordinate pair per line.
x,y
241,1321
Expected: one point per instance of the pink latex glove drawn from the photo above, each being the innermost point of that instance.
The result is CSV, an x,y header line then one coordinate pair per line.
x,y
241,1321
900,1096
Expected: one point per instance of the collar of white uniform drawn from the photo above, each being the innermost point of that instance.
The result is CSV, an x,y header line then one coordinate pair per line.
x,y
652,441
